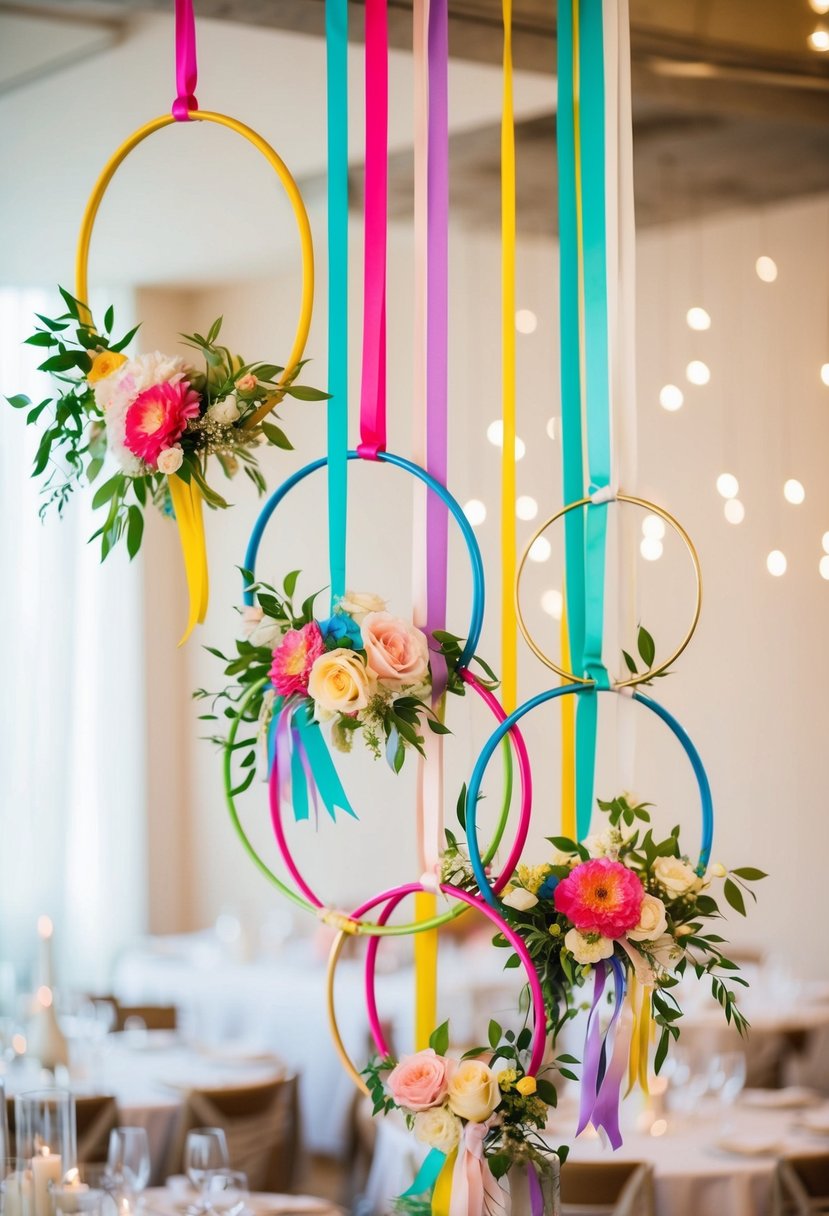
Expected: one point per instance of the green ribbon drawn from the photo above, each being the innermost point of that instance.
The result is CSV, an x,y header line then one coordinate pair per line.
x,y
336,32
427,1175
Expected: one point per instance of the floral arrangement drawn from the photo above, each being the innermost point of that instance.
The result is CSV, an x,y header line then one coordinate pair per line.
x,y
472,1114
158,416
360,671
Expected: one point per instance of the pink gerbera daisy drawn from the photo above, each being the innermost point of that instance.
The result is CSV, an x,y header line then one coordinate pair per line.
x,y
294,657
601,896
158,417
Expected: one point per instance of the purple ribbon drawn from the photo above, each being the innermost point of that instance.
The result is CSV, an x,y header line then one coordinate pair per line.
x,y
536,1196
187,70
437,327
604,1058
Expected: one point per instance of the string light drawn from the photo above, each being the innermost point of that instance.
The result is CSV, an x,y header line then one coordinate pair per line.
x,y
540,550
671,397
766,268
818,40
697,372
824,374
552,602
823,566
734,511
653,527
825,542
651,549
821,7
553,424
728,485
526,507
475,512
794,492
526,322
698,319
776,563
495,435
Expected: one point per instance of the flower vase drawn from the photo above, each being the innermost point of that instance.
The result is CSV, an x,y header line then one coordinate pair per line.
x,y
538,1195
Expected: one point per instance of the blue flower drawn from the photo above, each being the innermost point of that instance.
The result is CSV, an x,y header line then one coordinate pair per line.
x,y
341,630
547,888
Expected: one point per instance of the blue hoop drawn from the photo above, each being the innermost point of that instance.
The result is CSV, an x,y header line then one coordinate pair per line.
x,y
516,716
476,562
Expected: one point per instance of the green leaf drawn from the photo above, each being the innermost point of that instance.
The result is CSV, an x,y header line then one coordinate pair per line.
x,y
662,1050
439,1039
512,962
71,303
494,1033
117,347
437,727
135,530
109,319
105,492
41,339
302,392
629,663
749,874
734,896
289,583
460,808
93,468
277,436
19,401
546,1091
647,647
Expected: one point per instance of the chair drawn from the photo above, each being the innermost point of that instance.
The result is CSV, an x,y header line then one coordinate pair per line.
x,y
95,1118
607,1188
154,1017
261,1123
802,1185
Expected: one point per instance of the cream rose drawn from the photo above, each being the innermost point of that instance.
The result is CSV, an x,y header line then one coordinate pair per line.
x,y
665,952
396,651
260,630
588,947
652,920
340,683
473,1091
438,1128
675,876
169,461
224,412
359,603
519,899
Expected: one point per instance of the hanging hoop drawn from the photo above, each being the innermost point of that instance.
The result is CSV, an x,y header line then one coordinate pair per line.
x,y
706,801
644,676
294,197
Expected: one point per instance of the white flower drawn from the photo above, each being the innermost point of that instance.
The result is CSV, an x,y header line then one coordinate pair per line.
x,y
588,947
520,899
599,844
438,1128
359,603
169,460
665,951
675,876
260,630
717,870
224,412
153,368
652,920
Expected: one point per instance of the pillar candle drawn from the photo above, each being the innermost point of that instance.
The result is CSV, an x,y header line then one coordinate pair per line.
x,y
46,1168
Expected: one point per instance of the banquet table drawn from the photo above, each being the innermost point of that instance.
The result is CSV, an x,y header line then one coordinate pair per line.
x,y
698,1168
164,1201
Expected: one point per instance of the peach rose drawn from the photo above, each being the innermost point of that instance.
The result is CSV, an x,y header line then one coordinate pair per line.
x,y
473,1091
340,683
396,652
420,1081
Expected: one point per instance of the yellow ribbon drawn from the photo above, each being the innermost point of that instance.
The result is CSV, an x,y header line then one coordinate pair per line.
x,y
442,1194
509,626
568,740
639,999
426,966
188,507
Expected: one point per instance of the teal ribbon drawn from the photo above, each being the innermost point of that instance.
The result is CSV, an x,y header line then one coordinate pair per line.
x,y
427,1175
310,762
336,33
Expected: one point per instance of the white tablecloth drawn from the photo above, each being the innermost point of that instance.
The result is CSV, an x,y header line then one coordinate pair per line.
x,y
160,1201
694,1176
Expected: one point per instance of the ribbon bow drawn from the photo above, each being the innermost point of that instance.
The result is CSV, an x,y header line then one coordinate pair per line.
x,y
474,1186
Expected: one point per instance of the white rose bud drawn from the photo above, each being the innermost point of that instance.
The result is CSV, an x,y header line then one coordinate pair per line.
x,y
224,412
675,876
169,461
438,1128
520,899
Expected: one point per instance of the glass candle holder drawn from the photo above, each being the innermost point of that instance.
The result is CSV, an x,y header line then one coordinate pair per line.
x,y
538,1193
46,1140
15,1187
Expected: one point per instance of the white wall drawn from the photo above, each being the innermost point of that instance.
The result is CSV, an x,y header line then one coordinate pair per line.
x,y
751,690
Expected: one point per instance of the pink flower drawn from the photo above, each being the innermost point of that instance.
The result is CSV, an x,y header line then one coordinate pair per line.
x,y
294,658
601,896
420,1081
396,652
157,418
246,383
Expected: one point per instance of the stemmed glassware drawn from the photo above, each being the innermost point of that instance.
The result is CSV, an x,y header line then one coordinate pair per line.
x,y
205,1152
128,1159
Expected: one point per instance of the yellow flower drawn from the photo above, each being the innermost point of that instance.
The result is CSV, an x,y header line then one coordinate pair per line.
x,y
506,1078
104,364
555,930
526,1086
531,877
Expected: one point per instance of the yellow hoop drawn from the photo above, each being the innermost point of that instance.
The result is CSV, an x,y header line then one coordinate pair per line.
x,y
294,197
645,675
345,1058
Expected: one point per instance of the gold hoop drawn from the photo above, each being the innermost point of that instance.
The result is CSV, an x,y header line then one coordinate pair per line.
x,y
294,197
345,1058
673,523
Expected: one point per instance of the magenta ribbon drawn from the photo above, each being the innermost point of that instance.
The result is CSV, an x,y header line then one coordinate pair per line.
x,y
604,1058
373,389
437,329
187,69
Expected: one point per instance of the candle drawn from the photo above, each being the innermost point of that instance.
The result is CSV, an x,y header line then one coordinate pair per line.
x,y
45,930
46,1168
15,1193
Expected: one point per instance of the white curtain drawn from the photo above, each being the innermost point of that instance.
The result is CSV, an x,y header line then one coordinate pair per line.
x,y
72,706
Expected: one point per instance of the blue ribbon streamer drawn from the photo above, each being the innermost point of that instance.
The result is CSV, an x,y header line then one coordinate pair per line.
x,y
427,1175
307,744
336,34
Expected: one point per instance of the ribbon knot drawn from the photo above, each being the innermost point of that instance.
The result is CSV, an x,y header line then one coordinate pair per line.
x,y
604,494
183,105
187,71
338,920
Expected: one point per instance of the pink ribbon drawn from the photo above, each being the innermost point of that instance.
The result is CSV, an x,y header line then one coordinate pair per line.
x,y
187,70
475,1189
373,390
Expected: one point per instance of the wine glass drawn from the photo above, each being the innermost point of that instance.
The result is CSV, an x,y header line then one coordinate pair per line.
x,y
227,1191
205,1151
128,1159
728,1075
